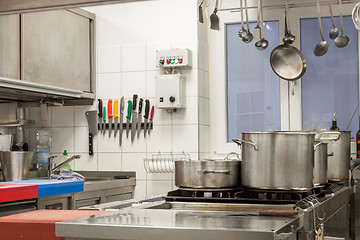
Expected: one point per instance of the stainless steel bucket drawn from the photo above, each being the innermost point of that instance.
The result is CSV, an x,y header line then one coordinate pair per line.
x,y
339,162
207,173
320,164
277,160
15,165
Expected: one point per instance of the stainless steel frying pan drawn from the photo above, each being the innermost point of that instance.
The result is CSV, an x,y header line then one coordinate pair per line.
x,y
287,61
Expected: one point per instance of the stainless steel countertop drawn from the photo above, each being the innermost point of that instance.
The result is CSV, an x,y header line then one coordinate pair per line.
x,y
160,223
156,220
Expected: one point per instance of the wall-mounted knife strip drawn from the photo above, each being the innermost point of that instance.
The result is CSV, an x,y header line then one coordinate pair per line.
x,y
106,125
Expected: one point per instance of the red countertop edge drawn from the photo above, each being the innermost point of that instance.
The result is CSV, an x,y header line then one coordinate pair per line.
x,y
38,225
11,192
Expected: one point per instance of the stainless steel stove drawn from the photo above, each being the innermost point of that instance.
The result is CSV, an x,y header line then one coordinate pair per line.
x,y
221,214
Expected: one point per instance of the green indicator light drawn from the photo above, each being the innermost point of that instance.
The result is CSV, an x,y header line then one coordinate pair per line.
x,y
172,61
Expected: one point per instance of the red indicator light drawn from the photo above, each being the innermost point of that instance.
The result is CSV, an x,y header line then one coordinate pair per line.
x,y
168,61
180,60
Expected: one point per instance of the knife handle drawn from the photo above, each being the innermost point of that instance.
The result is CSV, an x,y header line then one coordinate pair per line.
x,y
140,105
110,109
134,101
152,113
104,114
116,109
100,108
147,108
122,105
129,109
91,149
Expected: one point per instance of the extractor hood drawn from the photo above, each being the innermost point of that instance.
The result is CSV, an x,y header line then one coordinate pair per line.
x,y
26,91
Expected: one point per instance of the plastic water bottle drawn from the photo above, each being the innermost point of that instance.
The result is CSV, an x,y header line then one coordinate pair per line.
x,y
43,150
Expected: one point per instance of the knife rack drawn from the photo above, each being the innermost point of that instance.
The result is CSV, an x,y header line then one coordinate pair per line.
x,y
106,126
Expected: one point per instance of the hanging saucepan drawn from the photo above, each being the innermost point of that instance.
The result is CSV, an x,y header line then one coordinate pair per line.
x,y
287,61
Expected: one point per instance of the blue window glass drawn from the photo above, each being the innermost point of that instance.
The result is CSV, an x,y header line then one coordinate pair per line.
x,y
331,82
253,90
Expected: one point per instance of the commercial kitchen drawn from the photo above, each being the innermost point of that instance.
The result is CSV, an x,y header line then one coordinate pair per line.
x,y
181,119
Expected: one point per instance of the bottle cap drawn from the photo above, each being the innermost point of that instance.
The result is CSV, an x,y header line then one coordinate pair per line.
x,y
65,153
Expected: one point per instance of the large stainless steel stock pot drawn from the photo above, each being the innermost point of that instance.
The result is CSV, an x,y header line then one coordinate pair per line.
x,y
207,173
339,161
320,164
277,160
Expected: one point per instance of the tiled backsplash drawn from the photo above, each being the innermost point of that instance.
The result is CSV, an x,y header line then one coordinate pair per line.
x,y
125,69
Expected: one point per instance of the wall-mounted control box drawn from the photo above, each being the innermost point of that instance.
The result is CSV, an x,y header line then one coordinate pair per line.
x,y
170,91
174,58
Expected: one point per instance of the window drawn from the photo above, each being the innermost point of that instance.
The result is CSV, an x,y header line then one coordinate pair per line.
x,y
253,91
331,82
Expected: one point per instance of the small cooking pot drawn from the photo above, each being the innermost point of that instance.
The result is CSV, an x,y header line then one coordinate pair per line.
x,y
207,174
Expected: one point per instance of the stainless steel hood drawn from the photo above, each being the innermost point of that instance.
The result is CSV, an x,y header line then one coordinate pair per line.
x,y
21,90
19,6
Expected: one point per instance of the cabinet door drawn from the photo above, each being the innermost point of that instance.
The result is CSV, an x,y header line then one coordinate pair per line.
x,y
56,49
10,46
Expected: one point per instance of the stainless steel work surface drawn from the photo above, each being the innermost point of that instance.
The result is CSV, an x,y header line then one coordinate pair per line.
x,y
157,224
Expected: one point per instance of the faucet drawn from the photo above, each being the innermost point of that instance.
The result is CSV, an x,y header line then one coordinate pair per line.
x,y
51,164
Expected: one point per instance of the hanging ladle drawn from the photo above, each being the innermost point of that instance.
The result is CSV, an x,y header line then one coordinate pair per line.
x,y
322,47
288,38
342,40
249,37
334,32
262,44
242,32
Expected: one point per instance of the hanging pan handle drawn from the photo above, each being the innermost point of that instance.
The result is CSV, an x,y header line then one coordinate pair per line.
x,y
240,141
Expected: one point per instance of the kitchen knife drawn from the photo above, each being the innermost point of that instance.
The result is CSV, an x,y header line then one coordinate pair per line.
x,y
134,118
91,118
110,116
116,116
146,116
128,116
151,119
138,127
121,119
104,119
100,114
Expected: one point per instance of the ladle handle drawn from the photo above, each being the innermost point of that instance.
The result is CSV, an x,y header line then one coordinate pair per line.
x,y
341,18
287,28
319,20
331,14
261,20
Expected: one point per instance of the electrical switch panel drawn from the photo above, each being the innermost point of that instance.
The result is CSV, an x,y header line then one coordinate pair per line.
x,y
170,91
174,58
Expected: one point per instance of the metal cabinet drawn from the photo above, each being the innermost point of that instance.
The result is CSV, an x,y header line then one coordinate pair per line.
x,y
48,55
56,49
9,46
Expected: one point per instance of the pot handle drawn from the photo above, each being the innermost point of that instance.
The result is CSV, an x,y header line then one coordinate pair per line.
x,y
205,171
330,136
316,145
240,141
232,153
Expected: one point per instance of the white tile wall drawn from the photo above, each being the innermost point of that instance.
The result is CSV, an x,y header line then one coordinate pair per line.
x,y
125,68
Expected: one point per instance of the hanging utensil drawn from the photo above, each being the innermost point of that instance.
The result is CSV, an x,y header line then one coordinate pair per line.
x,y
122,104
249,36
288,38
242,32
322,47
91,119
287,61
262,44
355,16
342,40
100,114
116,116
334,32
214,19
201,16
257,29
